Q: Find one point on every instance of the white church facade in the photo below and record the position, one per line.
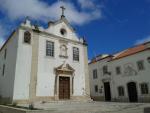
(124, 76)
(44, 64)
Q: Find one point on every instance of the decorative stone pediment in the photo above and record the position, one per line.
(129, 70)
(108, 79)
(64, 69)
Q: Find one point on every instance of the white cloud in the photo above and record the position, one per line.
(2, 34)
(86, 4)
(142, 40)
(1, 42)
(40, 10)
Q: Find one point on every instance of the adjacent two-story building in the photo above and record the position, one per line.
(124, 76)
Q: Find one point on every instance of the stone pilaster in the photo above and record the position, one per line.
(87, 83)
(34, 66)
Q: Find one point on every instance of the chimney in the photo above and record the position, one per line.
(147, 44)
(50, 23)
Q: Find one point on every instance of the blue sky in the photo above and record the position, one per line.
(109, 26)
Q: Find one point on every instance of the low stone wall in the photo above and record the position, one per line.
(141, 99)
(120, 99)
(145, 99)
(98, 98)
(147, 110)
(7, 109)
(50, 99)
(5, 100)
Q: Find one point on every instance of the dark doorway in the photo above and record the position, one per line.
(64, 88)
(107, 91)
(132, 92)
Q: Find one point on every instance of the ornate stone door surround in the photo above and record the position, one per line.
(64, 70)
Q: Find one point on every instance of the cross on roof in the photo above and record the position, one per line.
(63, 10)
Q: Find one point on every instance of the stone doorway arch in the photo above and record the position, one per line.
(64, 79)
(132, 92)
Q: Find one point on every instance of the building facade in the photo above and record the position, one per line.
(124, 76)
(44, 64)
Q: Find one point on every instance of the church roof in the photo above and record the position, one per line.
(99, 58)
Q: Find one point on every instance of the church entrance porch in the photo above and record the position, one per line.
(64, 87)
(132, 92)
(64, 81)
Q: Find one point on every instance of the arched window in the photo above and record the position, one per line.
(63, 31)
(27, 37)
(121, 91)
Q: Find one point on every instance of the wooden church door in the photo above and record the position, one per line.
(64, 88)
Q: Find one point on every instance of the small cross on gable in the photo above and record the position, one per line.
(63, 10)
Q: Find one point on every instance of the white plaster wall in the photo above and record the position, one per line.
(46, 65)
(94, 82)
(97, 65)
(121, 80)
(23, 68)
(142, 76)
(7, 81)
(55, 29)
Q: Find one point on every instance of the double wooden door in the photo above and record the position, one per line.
(64, 88)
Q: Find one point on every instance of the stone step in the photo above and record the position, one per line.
(68, 101)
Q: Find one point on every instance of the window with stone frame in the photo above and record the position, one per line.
(148, 59)
(75, 54)
(118, 70)
(96, 88)
(95, 74)
(3, 72)
(105, 70)
(121, 91)
(144, 88)
(140, 65)
(5, 54)
(27, 37)
(50, 48)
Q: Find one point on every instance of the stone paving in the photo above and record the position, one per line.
(93, 107)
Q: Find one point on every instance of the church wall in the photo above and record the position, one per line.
(23, 68)
(55, 29)
(35, 72)
(46, 66)
(7, 80)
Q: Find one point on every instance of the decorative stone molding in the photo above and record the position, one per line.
(63, 51)
(64, 70)
(129, 70)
